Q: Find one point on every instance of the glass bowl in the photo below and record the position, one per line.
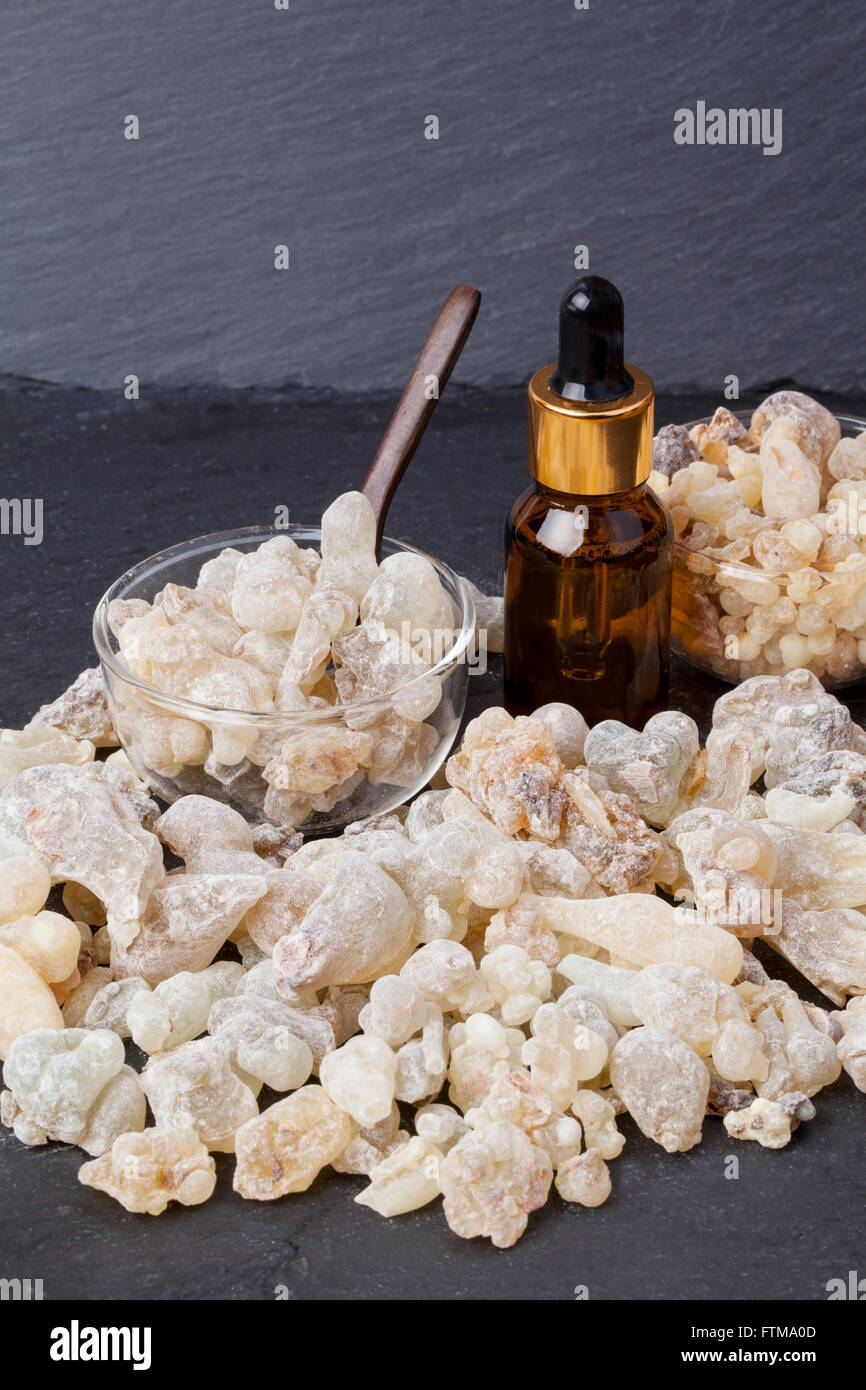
(179, 747)
(707, 590)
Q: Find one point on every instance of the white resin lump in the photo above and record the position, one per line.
(460, 999)
(74, 1085)
(771, 519)
(336, 639)
(84, 825)
(146, 1171)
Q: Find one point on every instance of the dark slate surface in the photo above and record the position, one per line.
(305, 127)
(120, 480)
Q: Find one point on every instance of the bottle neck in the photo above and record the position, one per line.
(604, 500)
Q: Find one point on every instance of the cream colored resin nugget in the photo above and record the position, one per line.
(277, 1057)
(764, 1121)
(270, 1040)
(521, 925)
(24, 887)
(648, 767)
(478, 1060)
(268, 593)
(374, 664)
(120, 1108)
(439, 970)
(146, 1171)
(441, 1124)
(562, 1053)
(396, 1010)
(348, 546)
(818, 871)
(460, 862)
(318, 759)
(605, 833)
(48, 942)
(664, 1085)
(510, 768)
(194, 1085)
(610, 983)
(404, 1181)
(738, 1052)
(285, 1148)
(515, 1099)
(327, 614)
(186, 921)
(407, 590)
(569, 729)
(821, 793)
(598, 1118)
(360, 923)
(82, 711)
(687, 1001)
(423, 1061)
(203, 610)
(584, 1179)
(817, 429)
(791, 485)
(26, 1002)
(111, 1005)
(785, 720)
(161, 742)
(725, 865)
(401, 750)
(801, 1056)
(209, 837)
(642, 930)
(359, 1077)
(37, 746)
(518, 983)
(492, 1180)
(177, 1010)
(61, 1080)
(370, 1146)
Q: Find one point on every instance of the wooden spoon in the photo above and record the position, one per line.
(417, 403)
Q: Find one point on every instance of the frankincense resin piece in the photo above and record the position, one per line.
(664, 1085)
(492, 1180)
(146, 1171)
(286, 1147)
(642, 929)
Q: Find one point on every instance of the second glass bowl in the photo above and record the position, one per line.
(707, 590)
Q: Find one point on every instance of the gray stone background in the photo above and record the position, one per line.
(306, 127)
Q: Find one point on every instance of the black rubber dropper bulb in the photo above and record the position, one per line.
(591, 365)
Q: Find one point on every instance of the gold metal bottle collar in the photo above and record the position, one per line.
(586, 449)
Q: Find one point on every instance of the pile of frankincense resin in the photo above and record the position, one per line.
(457, 1000)
(771, 517)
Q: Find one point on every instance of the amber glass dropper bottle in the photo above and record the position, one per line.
(588, 545)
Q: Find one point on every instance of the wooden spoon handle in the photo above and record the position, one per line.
(418, 401)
